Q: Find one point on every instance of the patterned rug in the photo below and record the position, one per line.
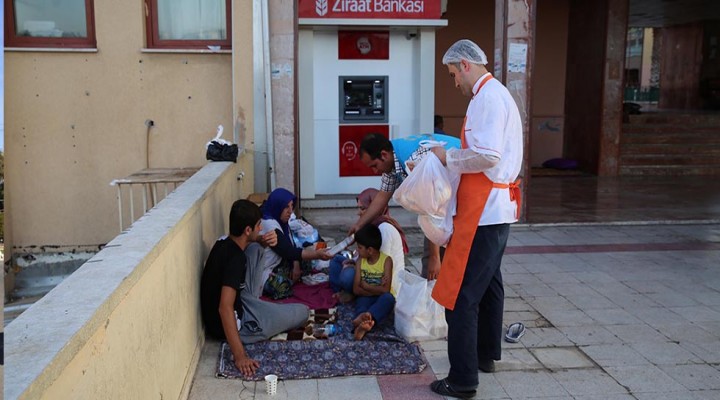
(381, 352)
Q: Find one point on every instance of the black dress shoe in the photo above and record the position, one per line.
(443, 388)
(486, 366)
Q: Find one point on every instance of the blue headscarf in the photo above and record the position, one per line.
(274, 206)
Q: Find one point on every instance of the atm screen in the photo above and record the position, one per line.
(363, 98)
(358, 94)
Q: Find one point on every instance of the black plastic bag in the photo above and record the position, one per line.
(221, 152)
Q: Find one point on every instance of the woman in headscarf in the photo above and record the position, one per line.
(394, 244)
(281, 263)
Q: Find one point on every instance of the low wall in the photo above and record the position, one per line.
(126, 325)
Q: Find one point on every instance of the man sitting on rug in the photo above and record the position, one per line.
(229, 311)
(373, 280)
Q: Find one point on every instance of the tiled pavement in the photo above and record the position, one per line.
(613, 312)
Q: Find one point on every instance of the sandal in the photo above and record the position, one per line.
(443, 388)
(515, 332)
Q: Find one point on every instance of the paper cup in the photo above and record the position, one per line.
(271, 384)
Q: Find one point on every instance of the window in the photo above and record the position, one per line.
(49, 23)
(188, 24)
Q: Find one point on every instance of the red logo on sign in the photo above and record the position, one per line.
(349, 150)
(363, 45)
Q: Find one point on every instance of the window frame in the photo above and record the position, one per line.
(13, 40)
(152, 33)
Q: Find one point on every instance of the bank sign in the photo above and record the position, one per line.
(370, 9)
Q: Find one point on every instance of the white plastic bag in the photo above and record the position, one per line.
(302, 231)
(431, 190)
(437, 230)
(417, 315)
(427, 188)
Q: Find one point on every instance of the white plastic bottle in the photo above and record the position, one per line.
(342, 245)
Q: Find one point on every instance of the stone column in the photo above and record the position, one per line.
(283, 46)
(513, 61)
(612, 88)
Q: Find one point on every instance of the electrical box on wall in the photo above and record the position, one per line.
(363, 99)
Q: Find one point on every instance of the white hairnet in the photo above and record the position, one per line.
(464, 50)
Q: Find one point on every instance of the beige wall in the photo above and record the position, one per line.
(75, 121)
(475, 20)
(127, 324)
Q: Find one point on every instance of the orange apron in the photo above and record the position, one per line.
(472, 195)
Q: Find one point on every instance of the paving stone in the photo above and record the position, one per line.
(697, 313)
(562, 357)
(516, 304)
(684, 395)
(636, 333)
(557, 277)
(707, 394)
(614, 355)
(290, 389)
(537, 383)
(438, 361)
(632, 300)
(589, 334)
(665, 353)
(535, 290)
(588, 382)
(528, 318)
(550, 303)
(644, 379)
(656, 316)
(707, 351)
(566, 318)
(545, 337)
(349, 387)
(490, 388)
(569, 289)
(593, 277)
(613, 289)
(605, 397)
(406, 386)
(694, 376)
(590, 301)
(433, 345)
(517, 360)
(671, 298)
(687, 332)
(611, 316)
(544, 270)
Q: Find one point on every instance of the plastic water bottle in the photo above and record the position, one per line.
(321, 331)
(342, 245)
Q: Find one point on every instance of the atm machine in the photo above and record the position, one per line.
(363, 99)
(363, 107)
(360, 74)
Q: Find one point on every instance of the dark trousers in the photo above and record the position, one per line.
(475, 325)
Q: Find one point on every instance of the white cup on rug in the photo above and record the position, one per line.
(271, 384)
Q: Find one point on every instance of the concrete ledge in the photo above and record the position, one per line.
(126, 324)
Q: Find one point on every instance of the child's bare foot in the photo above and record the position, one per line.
(363, 328)
(361, 318)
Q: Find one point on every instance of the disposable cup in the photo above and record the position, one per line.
(271, 384)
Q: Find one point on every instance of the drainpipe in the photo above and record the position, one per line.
(269, 135)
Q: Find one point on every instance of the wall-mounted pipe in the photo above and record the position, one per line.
(269, 136)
